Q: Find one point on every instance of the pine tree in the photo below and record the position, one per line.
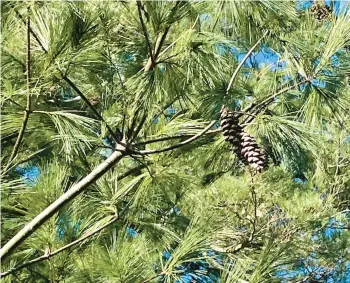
(117, 161)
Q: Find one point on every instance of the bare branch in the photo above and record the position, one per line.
(51, 254)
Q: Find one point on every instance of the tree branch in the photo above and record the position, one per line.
(192, 139)
(131, 171)
(167, 138)
(243, 61)
(51, 254)
(159, 43)
(257, 107)
(144, 29)
(30, 30)
(75, 190)
(97, 114)
(28, 106)
(73, 86)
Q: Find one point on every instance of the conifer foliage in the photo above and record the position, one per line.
(116, 153)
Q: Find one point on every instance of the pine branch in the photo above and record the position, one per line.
(144, 29)
(73, 86)
(192, 139)
(75, 190)
(159, 43)
(243, 61)
(160, 139)
(120, 152)
(97, 114)
(131, 171)
(30, 29)
(51, 254)
(256, 108)
(28, 106)
(135, 133)
(149, 66)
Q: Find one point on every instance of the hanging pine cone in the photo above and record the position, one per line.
(244, 145)
(231, 130)
(321, 11)
(252, 153)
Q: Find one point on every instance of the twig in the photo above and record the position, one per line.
(97, 114)
(30, 157)
(146, 152)
(28, 106)
(144, 29)
(160, 139)
(30, 29)
(267, 101)
(139, 127)
(255, 213)
(51, 254)
(243, 61)
(217, 18)
(131, 171)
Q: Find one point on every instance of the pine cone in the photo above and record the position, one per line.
(321, 11)
(244, 145)
(231, 130)
(252, 153)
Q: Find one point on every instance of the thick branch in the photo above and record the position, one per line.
(51, 254)
(192, 139)
(28, 106)
(78, 188)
